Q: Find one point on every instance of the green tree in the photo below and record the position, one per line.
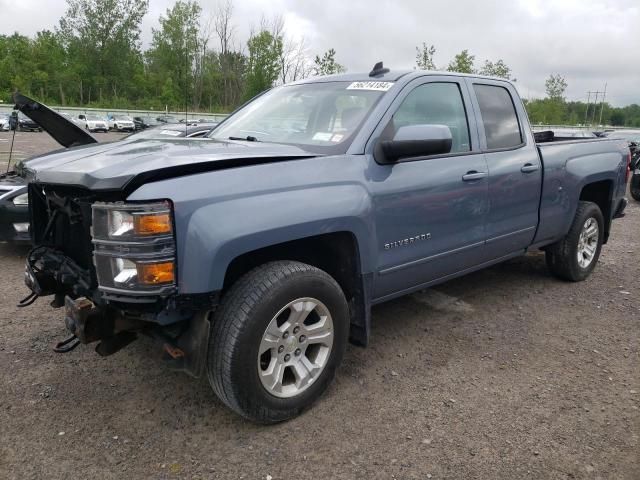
(327, 65)
(462, 63)
(51, 73)
(102, 39)
(16, 65)
(555, 86)
(424, 57)
(173, 52)
(498, 69)
(263, 67)
(617, 119)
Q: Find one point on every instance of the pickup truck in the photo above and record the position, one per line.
(255, 255)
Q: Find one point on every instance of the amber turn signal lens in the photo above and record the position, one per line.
(153, 224)
(155, 273)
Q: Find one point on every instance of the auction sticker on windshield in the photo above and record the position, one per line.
(379, 86)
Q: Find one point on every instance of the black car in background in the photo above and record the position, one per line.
(167, 119)
(14, 209)
(25, 124)
(144, 122)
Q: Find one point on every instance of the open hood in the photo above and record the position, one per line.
(63, 131)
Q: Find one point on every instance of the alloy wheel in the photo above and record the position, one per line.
(295, 347)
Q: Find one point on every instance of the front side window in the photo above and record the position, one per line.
(320, 117)
(436, 104)
(501, 126)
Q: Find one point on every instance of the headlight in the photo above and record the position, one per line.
(22, 199)
(134, 248)
(131, 222)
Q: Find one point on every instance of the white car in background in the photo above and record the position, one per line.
(4, 122)
(93, 123)
(122, 123)
(77, 121)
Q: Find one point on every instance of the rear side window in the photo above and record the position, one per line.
(501, 126)
(436, 104)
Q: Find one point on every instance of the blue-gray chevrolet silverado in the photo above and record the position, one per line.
(254, 255)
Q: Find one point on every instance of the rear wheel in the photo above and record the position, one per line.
(277, 339)
(575, 256)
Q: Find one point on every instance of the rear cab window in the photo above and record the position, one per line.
(499, 118)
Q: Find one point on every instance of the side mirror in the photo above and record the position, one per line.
(417, 141)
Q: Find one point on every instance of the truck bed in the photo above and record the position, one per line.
(568, 165)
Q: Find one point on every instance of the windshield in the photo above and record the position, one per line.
(93, 118)
(320, 117)
(122, 117)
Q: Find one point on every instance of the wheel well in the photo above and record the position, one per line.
(600, 193)
(335, 253)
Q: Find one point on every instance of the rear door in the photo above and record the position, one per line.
(515, 170)
(430, 210)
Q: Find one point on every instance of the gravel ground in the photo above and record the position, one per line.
(503, 374)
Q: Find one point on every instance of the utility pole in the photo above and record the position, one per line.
(586, 112)
(602, 104)
(595, 106)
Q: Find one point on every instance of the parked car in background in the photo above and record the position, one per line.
(77, 120)
(5, 125)
(633, 138)
(14, 209)
(25, 124)
(167, 119)
(143, 122)
(121, 123)
(94, 123)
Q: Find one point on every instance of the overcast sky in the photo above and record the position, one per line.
(589, 42)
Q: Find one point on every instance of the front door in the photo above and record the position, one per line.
(430, 211)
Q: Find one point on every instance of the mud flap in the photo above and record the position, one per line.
(360, 313)
(194, 343)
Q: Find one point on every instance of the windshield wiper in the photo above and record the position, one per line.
(248, 138)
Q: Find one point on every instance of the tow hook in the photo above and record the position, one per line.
(67, 344)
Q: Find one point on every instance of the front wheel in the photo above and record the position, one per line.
(277, 339)
(634, 187)
(575, 256)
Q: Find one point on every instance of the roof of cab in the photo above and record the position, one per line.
(390, 76)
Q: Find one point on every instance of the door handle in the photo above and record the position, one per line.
(473, 175)
(529, 167)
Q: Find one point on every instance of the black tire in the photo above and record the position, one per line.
(240, 322)
(562, 256)
(634, 186)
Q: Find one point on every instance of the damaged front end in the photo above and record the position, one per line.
(112, 265)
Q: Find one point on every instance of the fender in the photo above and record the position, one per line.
(565, 178)
(221, 215)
